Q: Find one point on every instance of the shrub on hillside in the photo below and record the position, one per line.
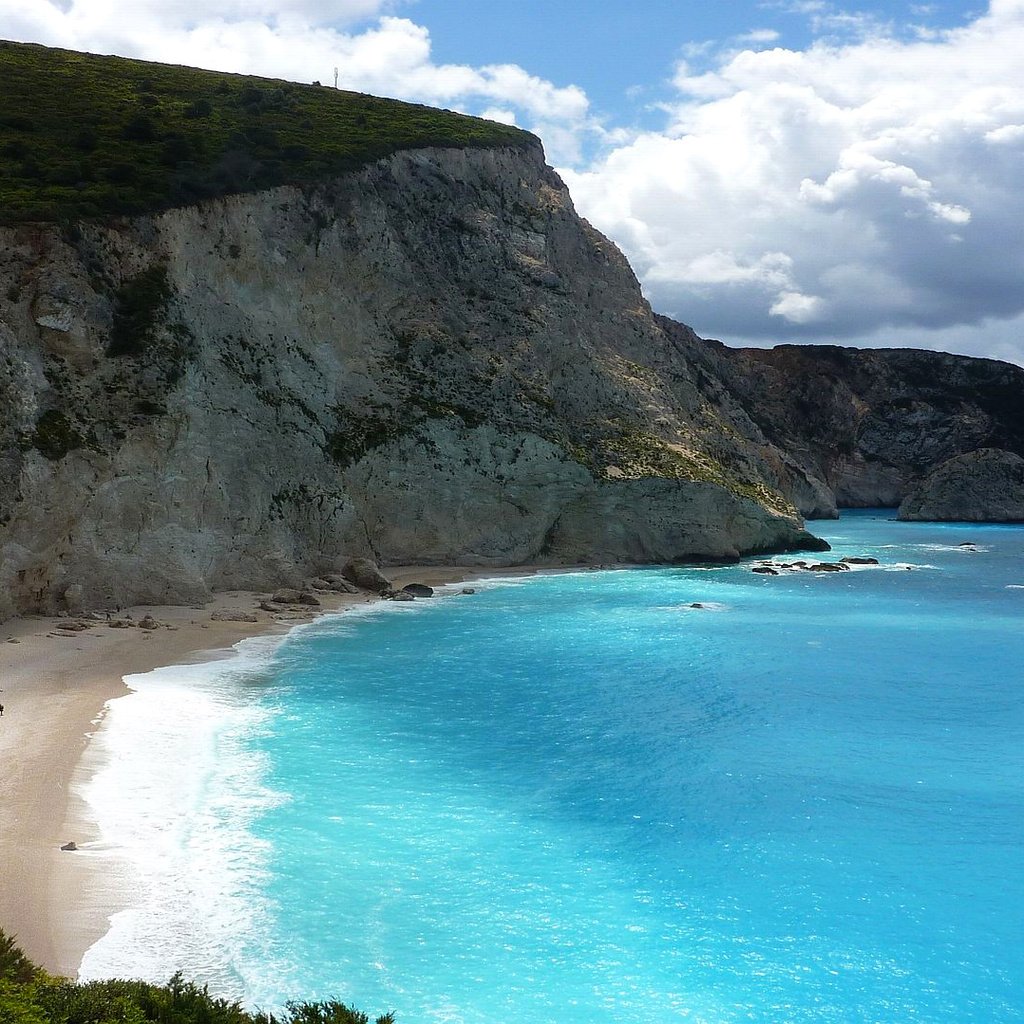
(30, 996)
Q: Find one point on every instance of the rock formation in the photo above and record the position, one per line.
(863, 425)
(430, 359)
(982, 486)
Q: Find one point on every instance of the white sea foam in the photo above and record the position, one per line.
(788, 568)
(173, 791)
(968, 547)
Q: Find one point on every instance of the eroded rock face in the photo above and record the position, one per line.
(865, 425)
(363, 572)
(984, 486)
(432, 360)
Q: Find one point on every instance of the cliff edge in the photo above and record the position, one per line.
(984, 486)
(432, 359)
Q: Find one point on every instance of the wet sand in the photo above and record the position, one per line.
(54, 686)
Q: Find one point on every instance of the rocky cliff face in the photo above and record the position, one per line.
(984, 486)
(864, 426)
(432, 360)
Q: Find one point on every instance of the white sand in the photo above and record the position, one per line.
(54, 687)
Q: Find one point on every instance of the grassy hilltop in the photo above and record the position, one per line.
(89, 136)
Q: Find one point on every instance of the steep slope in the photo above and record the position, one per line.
(432, 359)
(867, 424)
(983, 486)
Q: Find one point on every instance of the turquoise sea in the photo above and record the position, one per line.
(575, 798)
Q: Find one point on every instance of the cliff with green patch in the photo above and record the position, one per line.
(421, 354)
(249, 329)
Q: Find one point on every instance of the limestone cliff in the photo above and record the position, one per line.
(865, 426)
(431, 359)
(982, 486)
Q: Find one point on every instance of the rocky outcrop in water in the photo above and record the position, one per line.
(864, 426)
(985, 486)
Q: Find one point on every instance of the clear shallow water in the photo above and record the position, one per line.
(575, 798)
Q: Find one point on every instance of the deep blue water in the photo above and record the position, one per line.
(574, 798)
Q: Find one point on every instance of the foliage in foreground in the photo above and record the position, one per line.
(87, 136)
(29, 995)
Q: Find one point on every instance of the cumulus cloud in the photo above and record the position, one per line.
(302, 40)
(843, 191)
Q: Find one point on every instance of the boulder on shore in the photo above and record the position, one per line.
(418, 590)
(364, 573)
(334, 584)
(983, 486)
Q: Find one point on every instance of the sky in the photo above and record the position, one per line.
(777, 171)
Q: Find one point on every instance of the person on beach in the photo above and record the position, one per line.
(1, 711)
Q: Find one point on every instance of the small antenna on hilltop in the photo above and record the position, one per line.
(335, 78)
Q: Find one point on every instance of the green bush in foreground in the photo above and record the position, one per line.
(29, 995)
(88, 136)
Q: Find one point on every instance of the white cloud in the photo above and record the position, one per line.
(1008, 133)
(758, 35)
(500, 115)
(797, 308)
(303, 40)
(831, 193)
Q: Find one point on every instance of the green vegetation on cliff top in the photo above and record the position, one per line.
(89, 136)
(31, 996)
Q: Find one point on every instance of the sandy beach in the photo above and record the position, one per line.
(54, 686)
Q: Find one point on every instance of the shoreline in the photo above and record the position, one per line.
(55, 687)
